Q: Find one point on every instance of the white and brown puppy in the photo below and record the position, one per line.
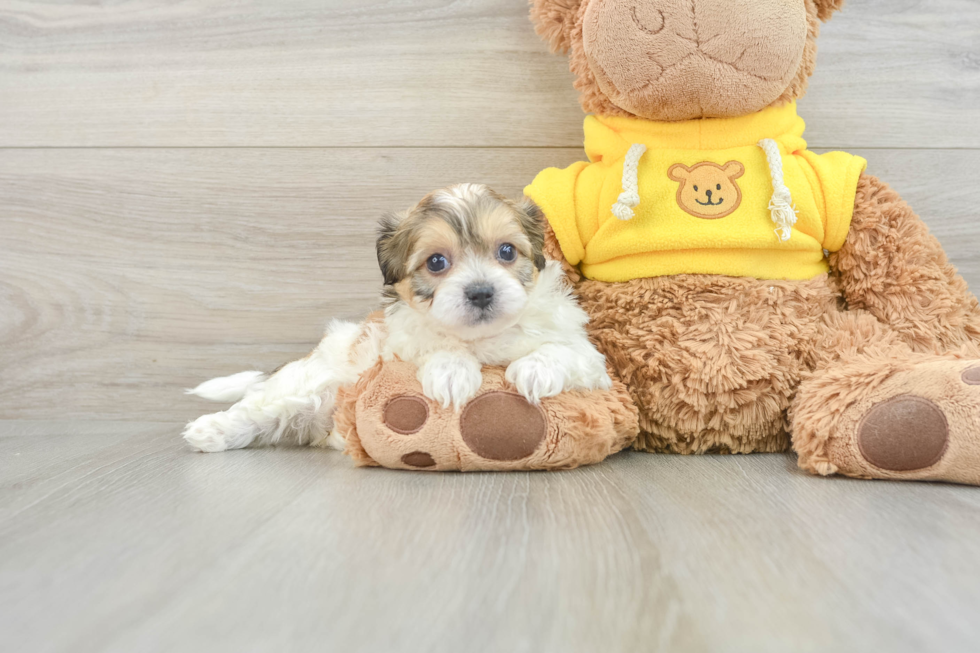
(466, 285)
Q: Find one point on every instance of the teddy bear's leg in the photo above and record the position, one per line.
(892, 267)
(876, 409)
(387, 421)
(896, 393)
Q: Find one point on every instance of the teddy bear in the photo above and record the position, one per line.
(751, 295)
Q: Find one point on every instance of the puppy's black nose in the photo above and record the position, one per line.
(480, 295)
(709, 194)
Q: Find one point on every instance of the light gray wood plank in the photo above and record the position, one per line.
(128, 274)
(243, 255)
(40, 459)
(427, 72)
(143, 546)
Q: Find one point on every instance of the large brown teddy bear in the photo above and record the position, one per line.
(752, 295)
(749, 295)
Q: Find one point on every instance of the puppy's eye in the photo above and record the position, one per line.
(436, 263)
(507, 252)
(695, 189)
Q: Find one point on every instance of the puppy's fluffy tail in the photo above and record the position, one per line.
(228, 388)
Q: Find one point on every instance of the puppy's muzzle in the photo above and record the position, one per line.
(479, 295)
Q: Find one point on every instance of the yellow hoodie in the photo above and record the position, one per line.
(733, 196)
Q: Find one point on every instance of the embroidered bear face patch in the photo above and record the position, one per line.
(708, 190)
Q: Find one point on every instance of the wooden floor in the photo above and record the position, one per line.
(190, 189)
(113, 538)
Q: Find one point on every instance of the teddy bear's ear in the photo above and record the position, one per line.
(826, 8)
(553, 21)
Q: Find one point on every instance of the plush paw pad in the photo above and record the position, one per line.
(502, 426)
(971, 375)
(419, 459)
(904, 433)
(406, 414)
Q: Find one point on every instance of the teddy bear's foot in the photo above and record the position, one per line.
(387, 421)
(498, 427)
(918, 422)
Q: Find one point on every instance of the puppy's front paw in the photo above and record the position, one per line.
(219, 432)
(451, 379)
(595, 375)
(537, 376)
(602, 381)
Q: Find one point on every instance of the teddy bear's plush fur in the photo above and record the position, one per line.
(869, 371)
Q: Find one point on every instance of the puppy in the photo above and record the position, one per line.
(465, 285)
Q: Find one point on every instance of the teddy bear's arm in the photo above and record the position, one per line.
(891, 266)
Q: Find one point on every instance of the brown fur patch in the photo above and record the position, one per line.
(533, 222)
(434, 236)
(393, 247)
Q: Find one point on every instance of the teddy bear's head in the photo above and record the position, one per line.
(685, 59)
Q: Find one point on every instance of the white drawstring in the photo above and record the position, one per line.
(629, 199)
(781, 205)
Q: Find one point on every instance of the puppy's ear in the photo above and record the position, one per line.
(392, 249)
(553, 21)
(532, 222)
(826, 8)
